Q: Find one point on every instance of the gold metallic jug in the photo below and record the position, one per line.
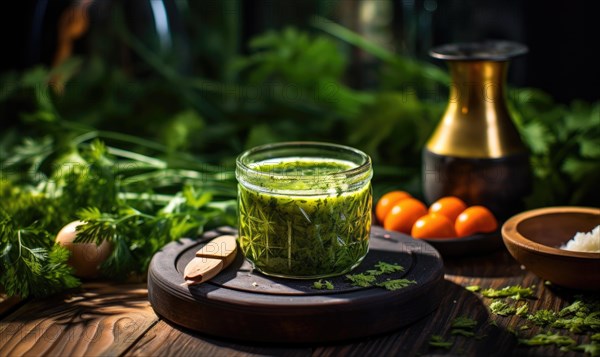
(476, 152)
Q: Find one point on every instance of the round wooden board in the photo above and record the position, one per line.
(243, 304)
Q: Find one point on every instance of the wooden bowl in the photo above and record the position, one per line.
(533, 238)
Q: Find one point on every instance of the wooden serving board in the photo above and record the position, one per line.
(243, 304)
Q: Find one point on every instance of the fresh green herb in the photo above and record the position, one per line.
(48, 184)
(591, 348)
(595, 337)
(576, 317)
(463, 322)
(388, 268)
(522, 310)
(575, 307)
(542, 317)
(548, 338)
(323, 284)
(304, 235)
(473, 288)
(369, 277)
(501, 308)
(463, 326)
(515, 292)
(579, 323)
(438, 341)
(396, 284)
(462, 333)
(524, 327)
(362, 280)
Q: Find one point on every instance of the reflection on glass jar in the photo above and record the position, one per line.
(304, 208)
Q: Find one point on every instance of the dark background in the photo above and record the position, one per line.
(560, 35)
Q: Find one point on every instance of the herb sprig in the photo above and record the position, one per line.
(47, 184)
(369, 277)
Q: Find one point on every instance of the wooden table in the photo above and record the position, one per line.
(109, 319)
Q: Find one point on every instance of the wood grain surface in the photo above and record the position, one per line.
(103, 319)
(112, 319)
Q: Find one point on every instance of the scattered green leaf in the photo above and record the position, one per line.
(501, 308)
(438, 341)
(323, 284)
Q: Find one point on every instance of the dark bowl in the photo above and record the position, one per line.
(533, 238)
(475, 244)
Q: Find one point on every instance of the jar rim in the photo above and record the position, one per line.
(362, 171)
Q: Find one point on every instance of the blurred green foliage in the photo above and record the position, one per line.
(291, 86)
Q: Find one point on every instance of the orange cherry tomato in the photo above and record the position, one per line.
(433, 225)
(475, 219)
(387, 201)
(404, 214)
(449, 206)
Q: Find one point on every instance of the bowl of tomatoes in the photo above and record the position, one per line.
(449, 224)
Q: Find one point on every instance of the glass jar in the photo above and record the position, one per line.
(304, 208)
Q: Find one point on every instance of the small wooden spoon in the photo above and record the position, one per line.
(213, 257)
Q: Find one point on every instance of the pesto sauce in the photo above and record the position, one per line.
(305, 236)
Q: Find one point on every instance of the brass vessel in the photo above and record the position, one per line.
(476, 152)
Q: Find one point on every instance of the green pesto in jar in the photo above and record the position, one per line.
(307, 235)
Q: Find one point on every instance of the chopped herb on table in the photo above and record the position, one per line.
(515, 292)
(548, 338)
(591, 348)
(463, 326)
(580, 316)
(438, 341)
(542, 317)
(473, 288)
(522, 310)
(501, 308)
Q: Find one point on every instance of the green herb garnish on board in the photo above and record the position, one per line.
(323, 284)
(369, 277)
(361, 280)
(438, 341)
(501, 308)
(396, 284)
(388, 268)
(515, 292)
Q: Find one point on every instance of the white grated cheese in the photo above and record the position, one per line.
(585, 242)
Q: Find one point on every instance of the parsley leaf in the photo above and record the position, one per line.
(501, 308)
(396, 284)
(548, 338)
(515, 292)
(439, 342)
(361, 280)
(323, 284)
